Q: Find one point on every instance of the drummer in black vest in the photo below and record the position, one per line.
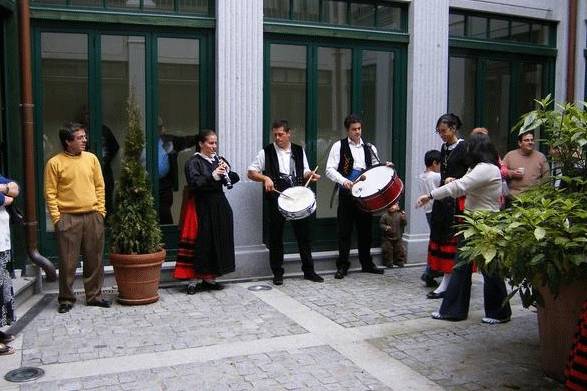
(278, 166)
(347, 160)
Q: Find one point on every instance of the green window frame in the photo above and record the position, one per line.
(324, 229)
(94, 34)
(178, 7)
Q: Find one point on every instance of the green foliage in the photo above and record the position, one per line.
(135, 227)
(542, 239)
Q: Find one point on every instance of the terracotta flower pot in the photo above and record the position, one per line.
(557, 324)
(137, 276)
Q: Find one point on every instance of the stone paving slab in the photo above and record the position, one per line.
(470, 357)
(177, 321)
(362, 299)
(315, 368)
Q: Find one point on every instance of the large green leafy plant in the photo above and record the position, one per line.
(134, 225)
(542, 239)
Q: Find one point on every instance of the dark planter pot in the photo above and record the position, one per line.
(137, 277)
(557, 324)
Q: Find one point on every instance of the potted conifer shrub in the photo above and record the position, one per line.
(540, 243)
(136, 253)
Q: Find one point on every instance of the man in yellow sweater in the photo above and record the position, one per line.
(74, 192)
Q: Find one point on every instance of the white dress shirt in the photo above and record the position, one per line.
(284, 158)
(358, 160)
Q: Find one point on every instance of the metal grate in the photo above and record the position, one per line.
(24, 374)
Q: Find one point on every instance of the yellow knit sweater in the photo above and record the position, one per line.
(74, 184)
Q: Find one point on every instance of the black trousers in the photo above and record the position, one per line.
(458, 294)
(302, 232)
(348, 216)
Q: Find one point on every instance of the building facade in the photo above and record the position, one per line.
(235, 65)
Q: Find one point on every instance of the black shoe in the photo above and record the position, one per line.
(429, 280)
(372, 270)
(313, 277)
(339, 275)
(277, 280)
(194, 288)
(64, 307)
(212, 285)
(100, 303)
(434, 295)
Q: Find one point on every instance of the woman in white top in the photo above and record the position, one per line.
(482, 186)
(8, 191)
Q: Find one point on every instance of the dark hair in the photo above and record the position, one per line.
(280, 123)
(66, 132)
(202, 136)
(480, 149)
(451, 120)
(352, 119)
(431, 156)
(521, 135)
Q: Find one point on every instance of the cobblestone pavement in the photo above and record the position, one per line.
(365, 332)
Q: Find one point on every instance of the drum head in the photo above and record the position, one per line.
(376, 179)
(296, 199)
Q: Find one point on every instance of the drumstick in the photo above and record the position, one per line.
(285, 195)
(359, 179)
(310, 177)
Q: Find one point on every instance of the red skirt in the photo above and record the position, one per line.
(576, 371)
(188, 232)
(442, 256)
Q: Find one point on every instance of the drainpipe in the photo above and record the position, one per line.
(27, 106)
(571, 50)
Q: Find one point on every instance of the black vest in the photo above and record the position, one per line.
(345, 164)
(272, 167)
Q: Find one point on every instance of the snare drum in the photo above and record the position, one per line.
(296, 203)
(381, 188)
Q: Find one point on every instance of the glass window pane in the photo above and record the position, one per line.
(477, 27)
(123, 70)
(86, 3)
(497, 110)
(194, 6)
(461, 90)
(377, 100)
(306, 10)
(158, 5)
(520, 32)
(389, 17)
(49, 2)
(276, 9)
(288, 88)
(133, 4)
(456, 25)
(499, 29)
(64, 79)
(362, 15)
(530, 87)
(334, 12)
(334, 104)
(539, 34)
(178, 121)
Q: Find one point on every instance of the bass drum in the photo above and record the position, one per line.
(377, 189)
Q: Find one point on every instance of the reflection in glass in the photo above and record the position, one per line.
(377, 95)
(461, 90)
(276, 9)
(456, 25)
(123, 71)
(306, 10)
(362, 15)
(499, 29)
(496, 111)
(178, 120)
(193, 6)
(334, 11)
(389, 17)
(477, 27)
(530, 87)
(539, 34)
(520, 32)
(64, 78)
(122, 4)
(86, 3)
(334, 104)
(288, 88)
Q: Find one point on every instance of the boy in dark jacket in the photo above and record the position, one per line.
(392, 225)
